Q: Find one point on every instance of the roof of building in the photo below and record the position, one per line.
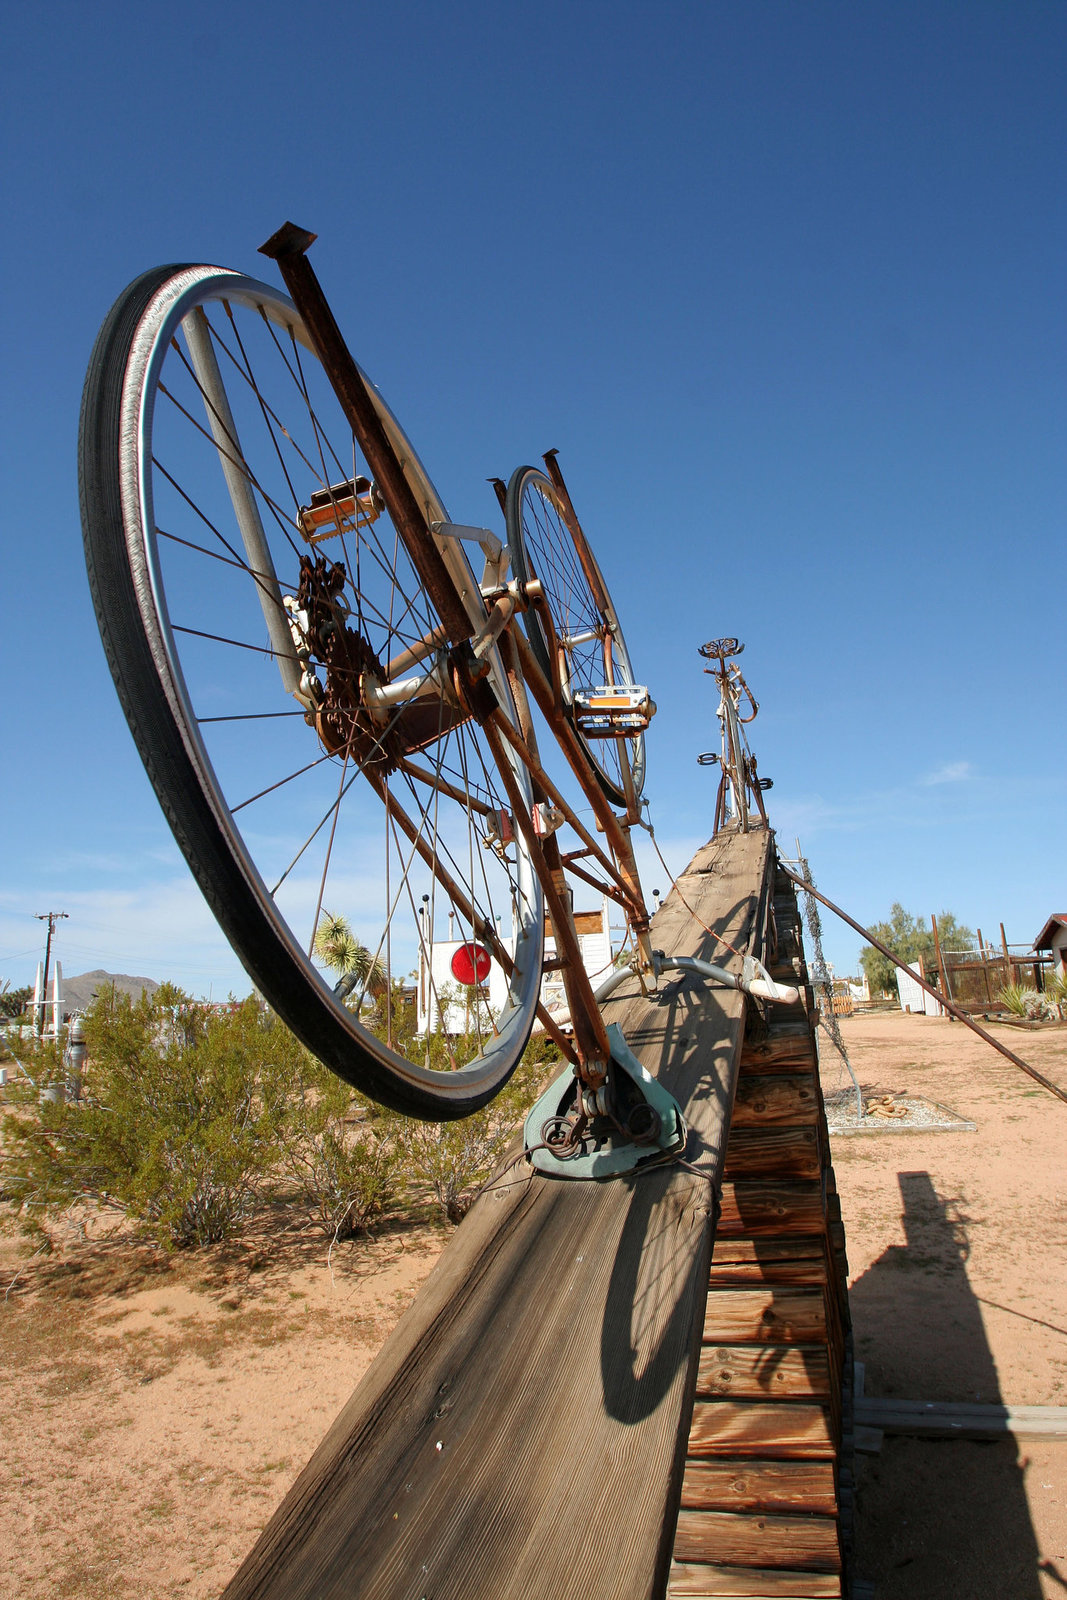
(1044, 938)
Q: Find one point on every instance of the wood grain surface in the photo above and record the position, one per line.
(522, 1433)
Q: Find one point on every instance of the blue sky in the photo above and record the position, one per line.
(783, 282)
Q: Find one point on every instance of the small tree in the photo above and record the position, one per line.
(338, 948)
(912, 941)
(13, 1002)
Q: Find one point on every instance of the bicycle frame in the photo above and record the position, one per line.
(450, 666)
(739, 780)
(456, 670)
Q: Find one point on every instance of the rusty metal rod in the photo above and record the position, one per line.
(287, 248)
(954, 1010)
(590, 1034)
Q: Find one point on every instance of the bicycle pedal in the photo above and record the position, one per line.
(611, 710)
(653, 1128)
(342, 508)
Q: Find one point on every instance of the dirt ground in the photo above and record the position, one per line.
(957, 1248)
(157, 1409)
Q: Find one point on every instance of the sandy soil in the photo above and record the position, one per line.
(157, 1409)
(957, 1247)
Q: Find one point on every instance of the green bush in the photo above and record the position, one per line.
(453, 1159)
(343, 1153)
(178, 1124)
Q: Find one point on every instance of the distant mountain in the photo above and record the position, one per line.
(78, 992)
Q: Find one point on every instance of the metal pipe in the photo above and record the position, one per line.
(961, 1016)
(245, 510)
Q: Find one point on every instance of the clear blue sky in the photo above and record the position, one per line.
(783, 282)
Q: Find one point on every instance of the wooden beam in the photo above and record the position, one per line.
(766, 1250)
(763, 1372)
(773, 1152)
(523, 1430)
(779, 1274)
(739, 1428)
(704, 1581)
(764, 1315)
(956, 1419)
(760, 1486)
(782, 1100)
(755, 1207)
(759, 1538)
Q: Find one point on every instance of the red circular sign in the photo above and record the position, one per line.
(470, 964)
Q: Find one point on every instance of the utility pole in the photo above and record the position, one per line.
(51, 917)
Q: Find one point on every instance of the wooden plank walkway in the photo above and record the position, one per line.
(767, 1477)
(523, 1431)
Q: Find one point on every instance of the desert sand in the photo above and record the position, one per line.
(157, 1408)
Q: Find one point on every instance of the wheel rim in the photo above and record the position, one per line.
(592, 650)
(385, 819)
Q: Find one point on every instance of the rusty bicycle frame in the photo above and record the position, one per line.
(738, 775)
(588, 1049)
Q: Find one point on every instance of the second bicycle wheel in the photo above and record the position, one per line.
(592, 651)
(286, 679)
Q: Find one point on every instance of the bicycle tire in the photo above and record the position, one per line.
(162, 527)
(542, 545)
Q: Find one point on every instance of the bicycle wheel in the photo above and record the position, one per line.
(592, 650)
(267, 635)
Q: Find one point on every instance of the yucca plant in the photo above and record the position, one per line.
(338, 948)
(1022, 1001)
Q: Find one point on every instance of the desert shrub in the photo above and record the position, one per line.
(1028, 1003)
(1056, 989)
(453, 1159)
(178, 1124)
(342, 1152)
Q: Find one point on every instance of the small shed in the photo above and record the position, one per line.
(1053, 937)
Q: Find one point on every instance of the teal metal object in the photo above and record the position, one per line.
(604, 1151)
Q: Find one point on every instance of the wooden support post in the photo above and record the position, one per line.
(941, 967)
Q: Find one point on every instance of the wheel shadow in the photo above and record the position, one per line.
(936, 1517)
(647, 1334)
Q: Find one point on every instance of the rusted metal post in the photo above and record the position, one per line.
(961, 1016)
(287, 247)
(941, 967)
(1007, 958)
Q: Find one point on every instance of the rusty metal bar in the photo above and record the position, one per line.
(617, 834)
(596, 883)
(942, 965)
(287, 247)
(416, 653)
(442, 786)
(961, 1016)
(574, 528)
(590, 1035)
(623, 893)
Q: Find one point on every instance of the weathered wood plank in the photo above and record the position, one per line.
(754, 1207)
(772, 1152)
(763, 1372)
(776, 1100)
(764, 1539)
(771, 1056)
(767, 1249)
(705, 1581)
(751, 1428)
(783, 1274)
(748, 1485)
(450, 1471)
(763, 1315)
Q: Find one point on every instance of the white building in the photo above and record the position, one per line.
(913, 997)
(440, 990)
